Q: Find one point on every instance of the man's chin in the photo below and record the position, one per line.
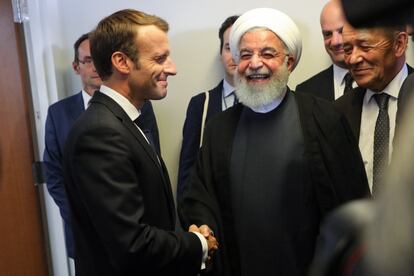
(160, 95)
(339, 60)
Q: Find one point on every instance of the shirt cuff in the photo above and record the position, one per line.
(205, 249)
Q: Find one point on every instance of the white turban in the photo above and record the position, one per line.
(274, 20)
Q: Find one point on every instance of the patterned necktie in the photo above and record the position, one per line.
(381, 142)
(348, 83)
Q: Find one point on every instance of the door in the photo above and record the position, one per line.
(22, 243)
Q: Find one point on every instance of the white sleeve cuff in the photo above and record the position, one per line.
(205, 249)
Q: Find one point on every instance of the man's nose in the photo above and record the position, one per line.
(255, 62)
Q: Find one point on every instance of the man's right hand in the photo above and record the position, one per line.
(209, 235)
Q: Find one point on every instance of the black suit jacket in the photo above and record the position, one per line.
(122, 206)
(192, 131)
(335, 164)
(60, 118)
(320, 85)
(350, 105)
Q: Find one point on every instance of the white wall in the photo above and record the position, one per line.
(54, 26)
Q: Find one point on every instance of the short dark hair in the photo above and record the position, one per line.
(78, 42)
(224, 26)
(117, 32)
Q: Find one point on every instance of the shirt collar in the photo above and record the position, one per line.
(86, 98)
(393, 88)
(339, 73)
(132, 112)
(227, 88)
(272, 105)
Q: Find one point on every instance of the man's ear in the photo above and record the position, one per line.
(290, 63)
(401, 42)
(75, 66)
(121, 63)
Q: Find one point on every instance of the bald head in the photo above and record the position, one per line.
(332, 21)
(332, 10)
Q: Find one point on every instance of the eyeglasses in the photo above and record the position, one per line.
(86, 61)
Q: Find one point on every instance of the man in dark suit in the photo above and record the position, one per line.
(376, 58)
(118, 188)
(361, 238)
(62, 115)
(330, 83)
(272, 167)
(204, 106)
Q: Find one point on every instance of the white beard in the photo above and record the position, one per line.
(256, 96)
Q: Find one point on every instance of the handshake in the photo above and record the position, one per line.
(209, 235)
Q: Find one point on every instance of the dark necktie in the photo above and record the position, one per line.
(381, 142)
(147, 133)
(348, 83)
(236, 101)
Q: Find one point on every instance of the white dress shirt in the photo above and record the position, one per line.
(86, 98)
(369, 116)
(339, 82)
(228, 97)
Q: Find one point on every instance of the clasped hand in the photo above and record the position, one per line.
(209, 235)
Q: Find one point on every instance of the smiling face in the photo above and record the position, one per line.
(332, 22)
(148, 80)
(263, 69)
(374, 56)
(261, 54)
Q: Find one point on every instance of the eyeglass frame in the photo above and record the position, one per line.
(86, 61)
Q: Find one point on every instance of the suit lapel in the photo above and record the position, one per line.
(126, 121)
(214, 106)
(325, 89)
(409, 69)
(168, 189)
(76, 107)
(352, 108)
(157, 160)
(330, 84)
(129, 124)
